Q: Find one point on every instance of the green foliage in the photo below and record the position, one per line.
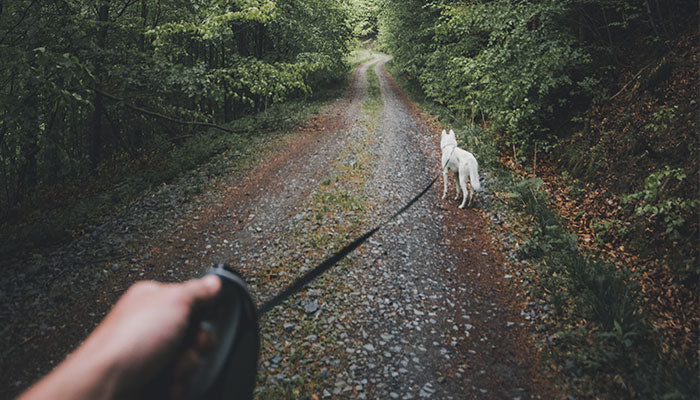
(364, 19)
(285, 62)
(663, 117)
(358, 56)
(508, 61)
(529, 67)
(516, 72)
(658, 203)
(479, 142)
(547, 234)
(609, 230)
(209, 60)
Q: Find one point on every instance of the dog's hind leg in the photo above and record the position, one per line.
(471, 194)
(463, 185)
(444, 181)
(457, 186)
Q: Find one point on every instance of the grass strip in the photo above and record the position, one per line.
(333, 216)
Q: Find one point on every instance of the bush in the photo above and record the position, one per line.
(478, 141)
(657, 203)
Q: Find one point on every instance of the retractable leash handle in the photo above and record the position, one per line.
(229, 370)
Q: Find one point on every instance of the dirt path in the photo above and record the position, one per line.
(421, 311)
(442, 323)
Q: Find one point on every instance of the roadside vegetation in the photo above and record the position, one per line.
(358, 56)
(98, 80)
(582, 113)
(604, 90)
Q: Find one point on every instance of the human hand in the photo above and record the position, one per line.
(139, 342)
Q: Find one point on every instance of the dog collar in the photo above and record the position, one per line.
(448, 158)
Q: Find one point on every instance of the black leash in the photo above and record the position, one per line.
(318, 270)
(231, 370)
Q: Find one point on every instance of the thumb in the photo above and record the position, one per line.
(203, 289)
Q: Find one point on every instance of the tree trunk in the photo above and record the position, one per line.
(260, 40)
(212, 66)
(53, 161)
(97, 141)
(227, 99)
(144, 20)
(241, 37)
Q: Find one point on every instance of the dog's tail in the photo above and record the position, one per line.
(474, 177)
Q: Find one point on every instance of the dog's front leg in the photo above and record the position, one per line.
(444, 181)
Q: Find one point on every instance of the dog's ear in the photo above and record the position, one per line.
(452, 132)
(444, 132)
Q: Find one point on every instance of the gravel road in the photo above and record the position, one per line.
(422, 310)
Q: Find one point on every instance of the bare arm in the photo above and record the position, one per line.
(141, 337)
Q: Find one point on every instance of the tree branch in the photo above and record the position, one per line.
(126, 6)
(21, 19)
(161, 116)
(634, 78)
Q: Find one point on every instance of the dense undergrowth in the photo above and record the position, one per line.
(642, 144)
(642, 147)
(627, 184)
(593, 323)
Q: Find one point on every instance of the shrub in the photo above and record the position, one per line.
(657, 203)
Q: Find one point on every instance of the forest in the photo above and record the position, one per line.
(87, 81)
(588, 106)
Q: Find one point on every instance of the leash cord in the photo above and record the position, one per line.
(329, 262)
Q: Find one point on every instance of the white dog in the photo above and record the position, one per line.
(462, 163)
